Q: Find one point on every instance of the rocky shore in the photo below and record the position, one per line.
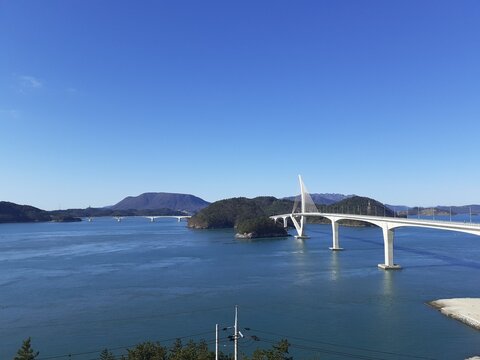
(255, 235)
(466, 310)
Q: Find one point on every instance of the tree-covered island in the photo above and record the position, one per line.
(249, 217)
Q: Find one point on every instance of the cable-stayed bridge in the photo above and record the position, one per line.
(387, 224)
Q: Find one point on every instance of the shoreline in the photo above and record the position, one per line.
(466, 310)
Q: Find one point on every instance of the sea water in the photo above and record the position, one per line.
(76, 288)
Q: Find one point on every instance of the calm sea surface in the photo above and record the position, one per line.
(77, 288)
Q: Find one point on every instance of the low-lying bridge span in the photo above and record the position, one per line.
(387, 224)
(153, 218)
(178, 217)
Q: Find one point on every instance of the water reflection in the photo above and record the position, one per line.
(334, 266)
(387, 281)
(300, 252)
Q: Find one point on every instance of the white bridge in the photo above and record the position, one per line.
(178, 217)
(387, 224)
(153, 218)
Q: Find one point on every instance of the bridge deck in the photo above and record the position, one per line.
(440, 224)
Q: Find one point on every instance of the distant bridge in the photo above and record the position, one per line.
(153, 218)
(178, 217)
(387, 224)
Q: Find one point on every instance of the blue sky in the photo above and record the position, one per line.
(104, 99)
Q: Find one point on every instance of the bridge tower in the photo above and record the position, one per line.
(306, 205)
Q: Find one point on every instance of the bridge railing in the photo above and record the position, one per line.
(384, 211)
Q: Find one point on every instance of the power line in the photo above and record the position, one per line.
(119, 347)
(345, 346)
(326, 351)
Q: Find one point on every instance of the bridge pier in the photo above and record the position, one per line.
(299, 227)
(335, 244)
(388, 236)
(285, 222)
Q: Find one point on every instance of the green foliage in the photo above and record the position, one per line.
(178, 351)
(358, 205)
(11, 213)
(230, 212)
(277, 352)
(261, 226)
(190, 351)
(148, 351)
(26, 352)
(106, 355)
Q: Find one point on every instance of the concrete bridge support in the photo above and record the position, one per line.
(388, 235)
(300, 227)
(335, 244)
(285, 222)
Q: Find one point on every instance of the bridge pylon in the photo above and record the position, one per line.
(306, 205)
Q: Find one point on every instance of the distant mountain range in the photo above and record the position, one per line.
(161, 200)
(324, 198)
(465, 209)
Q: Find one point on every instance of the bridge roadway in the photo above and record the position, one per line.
(152, 218)
(387, 224)
(178, 217)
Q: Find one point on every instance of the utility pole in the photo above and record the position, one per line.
(235, 336)
(216, 342)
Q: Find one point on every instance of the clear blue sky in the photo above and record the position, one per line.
(104, 99)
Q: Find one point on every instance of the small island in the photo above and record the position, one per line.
(261, 227)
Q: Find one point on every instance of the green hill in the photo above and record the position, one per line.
(358, 205)
(248, 216)
(14, 213)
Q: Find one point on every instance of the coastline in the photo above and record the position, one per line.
(466, 310)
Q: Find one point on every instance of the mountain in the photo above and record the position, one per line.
(360, 205)
(398, 207)
(161, 200)
(324, 198)
(11, 212)
(465, 209)
(14, 213)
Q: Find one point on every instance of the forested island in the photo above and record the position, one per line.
(249, 217)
